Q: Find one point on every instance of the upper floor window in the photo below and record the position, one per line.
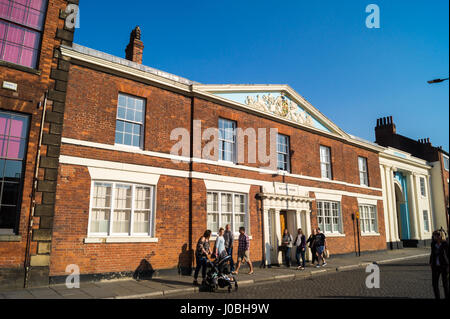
(130, 121)
(227, 140)
(283, 152)
(226, 208)
(21, 25)
(329, 216)
(363, 176)
(368, 218)
(445, 159)
(325, 162)
(423, 191)
(13, 144)
(121, 209)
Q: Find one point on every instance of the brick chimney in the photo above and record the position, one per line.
(385, 130)
(135, 48)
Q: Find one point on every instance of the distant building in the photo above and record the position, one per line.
(436, 158)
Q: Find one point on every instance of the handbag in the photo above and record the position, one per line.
(327, 254)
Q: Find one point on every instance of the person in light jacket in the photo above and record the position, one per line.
(287, 243)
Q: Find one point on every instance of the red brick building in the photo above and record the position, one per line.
(33, 79)
(125, 200)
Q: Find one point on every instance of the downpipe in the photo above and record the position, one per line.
(33, 196)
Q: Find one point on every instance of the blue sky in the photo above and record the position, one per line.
(322, 49)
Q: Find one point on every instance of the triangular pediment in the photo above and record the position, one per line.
(280, 101)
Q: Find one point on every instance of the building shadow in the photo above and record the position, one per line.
(184, 262)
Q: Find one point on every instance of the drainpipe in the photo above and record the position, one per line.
(261, 197)
(33, 197)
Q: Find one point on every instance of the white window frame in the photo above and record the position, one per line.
(445, 159)
(321, 214)
(423, 187)
(427, 220)
(363, 171)
(232, 142)
(131, 234)
(323, 162)
(214, 232)
(285, 153)
(365, 212)
(142, 125)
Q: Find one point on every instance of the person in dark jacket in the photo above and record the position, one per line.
(202, 252)
(300, 242)
(439, 263)
(312, 245)
(229, 239)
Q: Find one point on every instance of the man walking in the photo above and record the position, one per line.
(229, 239)
(321, 244)
(439, 263)
(243, 251)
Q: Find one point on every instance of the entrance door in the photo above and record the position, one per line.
(272, 249)
(283, 221)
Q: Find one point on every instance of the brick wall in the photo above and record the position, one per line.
(32, 86)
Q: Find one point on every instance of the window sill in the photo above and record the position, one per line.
(10, 238)
(370, 234)
(333, 235)
(105, 240)
(20, 67)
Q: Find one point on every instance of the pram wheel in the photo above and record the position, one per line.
(235, 285)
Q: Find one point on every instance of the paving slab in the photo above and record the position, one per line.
(18, 294)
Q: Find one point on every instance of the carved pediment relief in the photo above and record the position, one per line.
(280, 106)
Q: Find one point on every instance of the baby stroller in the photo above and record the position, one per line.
(218, 274)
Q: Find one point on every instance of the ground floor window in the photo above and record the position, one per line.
(226, 208)
(329, 216)
(121, 209)
(426, 221)
(368, 219)
(13, 145)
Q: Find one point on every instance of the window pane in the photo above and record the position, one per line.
(8, 216)
(141, 221)
(100, 221)
(20, 45)
(13, 141)
(213, 221)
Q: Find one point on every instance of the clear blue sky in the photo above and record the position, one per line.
(322, 49)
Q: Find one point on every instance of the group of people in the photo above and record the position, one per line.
(316, 242)
(223, 247)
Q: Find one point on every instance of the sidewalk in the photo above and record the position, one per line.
(128, 288)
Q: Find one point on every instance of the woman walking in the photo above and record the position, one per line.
(312, 245)
(300, 243)
(201, 254)
(287, 244)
